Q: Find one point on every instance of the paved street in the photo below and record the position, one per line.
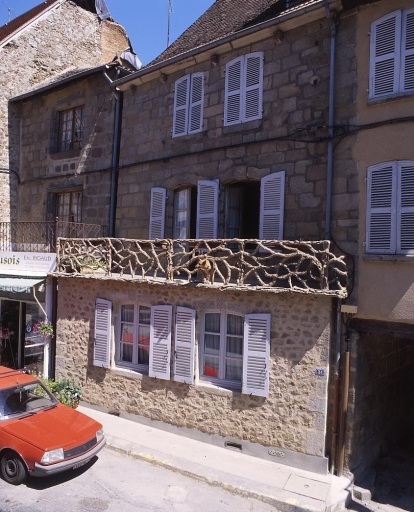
(117, 482)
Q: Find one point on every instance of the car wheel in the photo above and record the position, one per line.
(12, 469)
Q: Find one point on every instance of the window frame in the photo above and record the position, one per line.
(70, 132)
(385, 203)
(386, 55)
(220, 381)
(134, 364)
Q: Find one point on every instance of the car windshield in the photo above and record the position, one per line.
(20, 400)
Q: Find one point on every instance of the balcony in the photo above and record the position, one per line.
(42, 236)
(308, 267)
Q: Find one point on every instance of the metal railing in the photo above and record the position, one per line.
(295, 265)
(42, 236)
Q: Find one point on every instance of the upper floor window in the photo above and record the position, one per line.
(392, 55)
(69, 206)
(244, 89)
(70, 129)
(254, 209)
(188, 104)
(390, 208)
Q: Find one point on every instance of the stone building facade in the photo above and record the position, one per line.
(39, 45)
(194, 179)
(51, 174)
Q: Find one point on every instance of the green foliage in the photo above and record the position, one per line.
(65, 390)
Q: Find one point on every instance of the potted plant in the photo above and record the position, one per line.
(65, 390)
(44, 328)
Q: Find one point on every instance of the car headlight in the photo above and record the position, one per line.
(99, 435)
(52, 456)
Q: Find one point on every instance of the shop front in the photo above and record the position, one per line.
(26, 303)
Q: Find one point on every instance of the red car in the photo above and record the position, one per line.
(39, 435)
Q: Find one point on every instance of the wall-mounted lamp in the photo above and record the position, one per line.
(278, 36)
(214, 59)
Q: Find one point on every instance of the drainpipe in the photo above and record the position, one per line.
(333, 22)
(336, 397)
(116, 144)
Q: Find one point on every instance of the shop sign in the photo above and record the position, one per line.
(27, 261)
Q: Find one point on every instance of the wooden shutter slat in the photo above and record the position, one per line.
(272, 195)
(207, 206)
(181, 98)
(184, 345)
(160, 342)
(101, 349)
(256, 354)
(157, 213)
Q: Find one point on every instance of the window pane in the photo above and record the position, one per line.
(127, 313)
(143, 344)
(212, 322)
(126, 352)
(234, 346)
(144, 315)
(211, 366)
(211, 344)
(234, 369)
(235, 325)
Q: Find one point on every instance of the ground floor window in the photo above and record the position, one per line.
(163, 341)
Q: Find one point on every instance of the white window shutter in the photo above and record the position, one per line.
(160, 342)
(407, 50)
(381, 209)
(256, 355)
(405, 208)
(253, 98)
(195, 121)
(385, 55)
(102, 341)
(157, 213)
(233, 92)
(184, 345)
(272, 202)
(181, 97)
(207, 209)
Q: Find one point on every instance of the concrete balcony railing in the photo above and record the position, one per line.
(254, 264)
(42, 236)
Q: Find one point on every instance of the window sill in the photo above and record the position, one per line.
(406, 258)
(243, 126)
(391, 97)
(128, 372)
(215, 389)
(64, 155)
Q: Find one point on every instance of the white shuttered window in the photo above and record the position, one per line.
(392, 55)
(184, 345)
(244, 89)
(160, 342)
(188, 104)
(390, 208)
(207, 209)
(102, 340)
(256, 355)
(272, 200)
(157, 213)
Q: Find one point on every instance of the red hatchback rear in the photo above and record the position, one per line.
(39, 435)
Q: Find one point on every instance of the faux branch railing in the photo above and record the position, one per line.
(309, 266)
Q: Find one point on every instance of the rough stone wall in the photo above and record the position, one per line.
(46, 171)
(380, 398)
(295, 110)
(42, 51)
(292, 417)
